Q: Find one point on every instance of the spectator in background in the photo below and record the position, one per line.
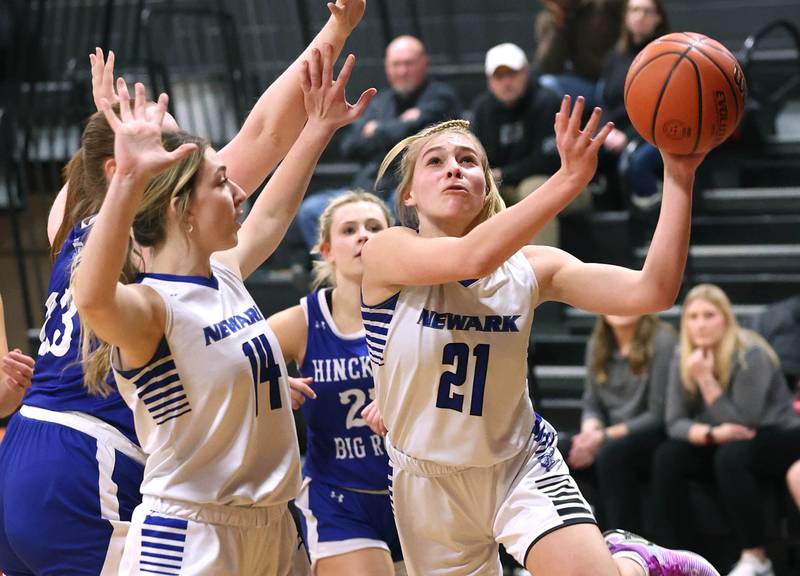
(412, 102)
(730, 419)
(627, 365)
(573, 38)
(514, 121)
(642, 21)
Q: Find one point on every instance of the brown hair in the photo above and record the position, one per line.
(149, 228)
(642, 345)
(410, 149)
(324, 272)
(625, 40)
(85, 176)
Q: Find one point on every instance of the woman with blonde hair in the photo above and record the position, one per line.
(627, 365)
(347, 519)
(448, 312)
(730, 420)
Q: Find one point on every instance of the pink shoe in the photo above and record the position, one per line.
(660, 561)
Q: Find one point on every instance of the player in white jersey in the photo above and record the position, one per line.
(448, 312)
(347, 520)
(193, 356)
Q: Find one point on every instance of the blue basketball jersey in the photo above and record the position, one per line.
(58, 377)
(342, 450)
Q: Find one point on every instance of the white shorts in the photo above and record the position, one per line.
(451, 519)
(171, 537)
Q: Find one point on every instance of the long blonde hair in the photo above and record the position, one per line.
(732, 346)
(324, 273)
(410, 149)
(149, 229)
(641, 351)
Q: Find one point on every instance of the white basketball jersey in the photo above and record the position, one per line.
(450, 366)
(212, 408)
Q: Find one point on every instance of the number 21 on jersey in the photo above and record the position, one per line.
(457, 355)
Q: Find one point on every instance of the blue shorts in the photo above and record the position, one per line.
(66, 500)
(337, 521)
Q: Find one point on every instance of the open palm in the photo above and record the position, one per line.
(138, 150)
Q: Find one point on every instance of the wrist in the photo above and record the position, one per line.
(709, 438)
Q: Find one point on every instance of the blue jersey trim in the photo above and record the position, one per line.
(376, 323)
(468, 283)
(211, 282)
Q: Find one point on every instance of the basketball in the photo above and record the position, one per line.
(685, 93)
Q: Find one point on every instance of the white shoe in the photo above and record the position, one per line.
(749, 565)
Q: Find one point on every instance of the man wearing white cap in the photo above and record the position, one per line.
(514, 121)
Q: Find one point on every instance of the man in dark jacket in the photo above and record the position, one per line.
(514, 121)
(412, 102)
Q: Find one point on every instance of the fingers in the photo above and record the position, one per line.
(314, 67)
(161, 108)
(562, 116)
(124, 100)
(108, 73)
(363, 101)
(574, 125)
(603, 134)
(302, 385)
(305, 77)
(139, 101)
(327, 65)
(111, 118)
(594, 122)
(335, 11)
(181, 152)
(346, 71)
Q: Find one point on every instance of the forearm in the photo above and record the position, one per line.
(589, 424)
(103, 256)
(279, 201)
(276, 120)
(495, 240)
(662, 273)
(10, 399)
(642, 423)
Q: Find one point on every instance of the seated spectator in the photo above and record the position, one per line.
(412, 101)
(730, 420)
(779, 323)
(642, 21)
(514, 121)
(573, 38)
(627, 365)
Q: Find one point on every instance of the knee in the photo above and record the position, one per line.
(731, 460)
(670, 459)
(793, 481)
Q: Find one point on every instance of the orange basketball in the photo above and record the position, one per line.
(685, 93)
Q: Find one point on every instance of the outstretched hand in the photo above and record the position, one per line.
(578, 148)
(324, 98)
(102, 77)
(138, 150)
(347, 13)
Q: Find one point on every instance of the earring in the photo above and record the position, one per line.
(189, 229)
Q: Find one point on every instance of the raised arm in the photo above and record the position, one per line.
(277, 204)
(276, 120)
(426, 261)
(597, 287)
(130, 317)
